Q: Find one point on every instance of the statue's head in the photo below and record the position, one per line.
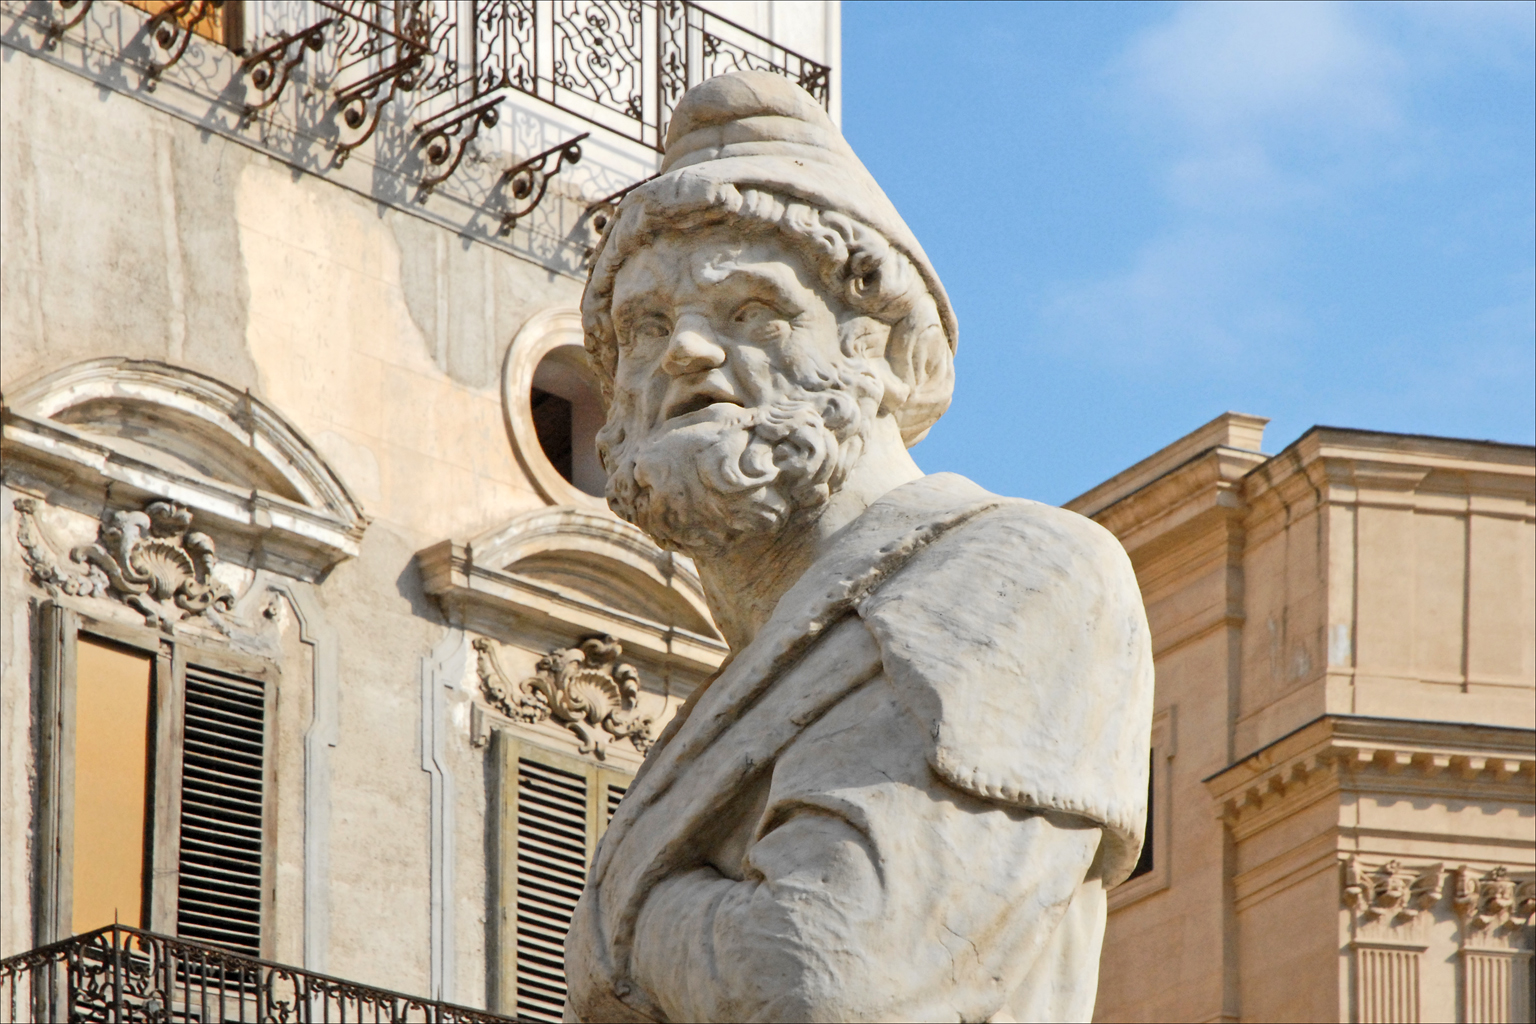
(760, 319)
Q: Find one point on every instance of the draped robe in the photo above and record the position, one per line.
(904, 799)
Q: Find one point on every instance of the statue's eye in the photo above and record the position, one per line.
(651, 327)
(759, 317)
(753, 312)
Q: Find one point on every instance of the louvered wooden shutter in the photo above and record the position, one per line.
(551, 869)
(223, 776)
(552, 810)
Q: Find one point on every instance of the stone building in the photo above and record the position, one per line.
(1344, 806)
(319, 642)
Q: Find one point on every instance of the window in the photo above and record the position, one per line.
(1152, 871)
(552, 810)
(567, 414)
(156, 784)
(1149, 840)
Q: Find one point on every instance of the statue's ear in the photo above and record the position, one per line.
(919, 357)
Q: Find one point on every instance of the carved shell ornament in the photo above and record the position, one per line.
(584, 688)
(150, 560)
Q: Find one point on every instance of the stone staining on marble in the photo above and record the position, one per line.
(907, 792)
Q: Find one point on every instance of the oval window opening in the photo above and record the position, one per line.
(567, 414)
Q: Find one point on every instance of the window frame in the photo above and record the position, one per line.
(1160, 877)
(506, 749)
(59, 630)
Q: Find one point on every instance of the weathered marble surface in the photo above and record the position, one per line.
(906, 793)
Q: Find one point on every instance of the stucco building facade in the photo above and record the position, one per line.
(298, 464)
(1345, 646)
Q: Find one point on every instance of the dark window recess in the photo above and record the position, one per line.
(615, 794)
(552, 424)
(551, 869)
(1144, 862)
(218, 898)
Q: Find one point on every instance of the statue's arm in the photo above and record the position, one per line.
(871, 892)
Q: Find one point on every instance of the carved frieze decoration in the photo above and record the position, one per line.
(585, 688)
(151, 560)
(1486, 902)
(1393, 894)
(1392, 891)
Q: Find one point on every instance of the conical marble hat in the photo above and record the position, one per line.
(753, 130)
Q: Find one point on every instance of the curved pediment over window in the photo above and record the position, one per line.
(575, 570)
(122, 432)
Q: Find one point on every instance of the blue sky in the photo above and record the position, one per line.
(1147, 214)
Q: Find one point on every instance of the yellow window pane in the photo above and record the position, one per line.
(112, 694)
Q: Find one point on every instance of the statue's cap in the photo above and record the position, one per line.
(758, 130)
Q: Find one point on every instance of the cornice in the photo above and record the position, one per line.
(1395, 470)
(1200, 494)
(1333, 753)
(494, 601)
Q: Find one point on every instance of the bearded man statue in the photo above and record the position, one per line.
(906, 792)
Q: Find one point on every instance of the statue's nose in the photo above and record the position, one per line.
(692, 348)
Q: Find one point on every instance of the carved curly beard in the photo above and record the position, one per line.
(743, 474)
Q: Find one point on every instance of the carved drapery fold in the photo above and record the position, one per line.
(584, 688)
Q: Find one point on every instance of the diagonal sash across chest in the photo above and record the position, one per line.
(810, 654)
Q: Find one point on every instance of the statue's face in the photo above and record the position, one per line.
(733, 406)
(707, 325)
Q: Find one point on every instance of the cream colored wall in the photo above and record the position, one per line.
(380, 337)
(1353, 574)
(1390, 577)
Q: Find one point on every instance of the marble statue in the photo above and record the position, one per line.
(905, 794)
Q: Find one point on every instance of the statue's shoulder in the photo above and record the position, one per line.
(1009, 534)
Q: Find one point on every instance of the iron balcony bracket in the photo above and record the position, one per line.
(271, 68)
(529, 180)
(171, 35)
(58, 28)
(438, 140)
(602, 210)
(360, 104)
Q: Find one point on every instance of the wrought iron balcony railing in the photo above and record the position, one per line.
(621, 65)
(119, 974)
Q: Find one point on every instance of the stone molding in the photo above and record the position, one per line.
(126, 433)
(1401, 756)
(585, 688)
(492, 586)
(546, 331)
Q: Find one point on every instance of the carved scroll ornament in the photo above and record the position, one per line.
(584, 688)
(151, 560)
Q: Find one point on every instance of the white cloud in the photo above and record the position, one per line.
(1227, 69)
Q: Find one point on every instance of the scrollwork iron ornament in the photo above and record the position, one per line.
(62, 25)
(171, 30)
(272, 67)
(445, 138)
(529, 180)
(118, 973)
(584, 688)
